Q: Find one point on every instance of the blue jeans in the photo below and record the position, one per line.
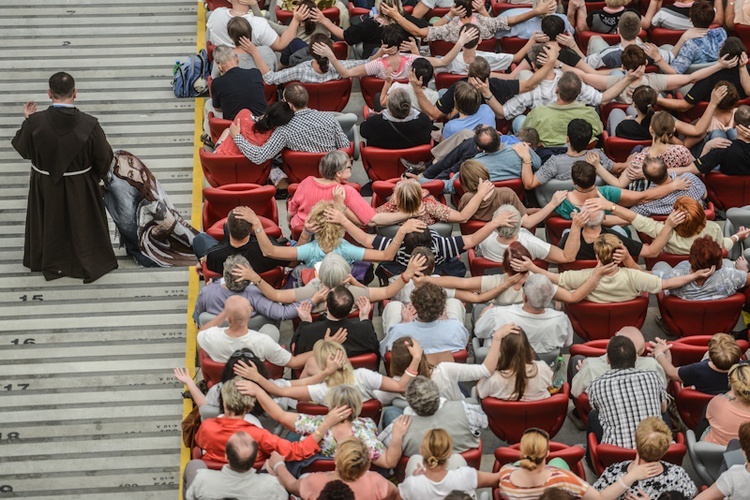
(730, 134)
(518, 123)
(390, 414)
(202, 243)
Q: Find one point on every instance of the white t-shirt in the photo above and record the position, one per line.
(431, 95)
(216, 25)
(502, 386)
(404, 295)
(448, 375)
(494, 250)
(734, 483)
(367, 381)
(497, 62)
(421, 488)
(546, 332)
(220, 346)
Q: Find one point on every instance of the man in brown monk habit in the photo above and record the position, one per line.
(66, 224)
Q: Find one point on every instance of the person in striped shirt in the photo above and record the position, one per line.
(533, 476)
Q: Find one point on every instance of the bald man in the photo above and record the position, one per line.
(237, 479)
(592, 368)
(219, 342)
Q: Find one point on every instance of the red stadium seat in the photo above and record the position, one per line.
(691, 349)
(212, 369)
(743, 32)
(583, 405)
(555, 226)
(576, 265)
(341, 50)
(274, 277)
(445, 80)
(221, 170)
(299, 165)
(384, 164)
(509, 419)
(700, 317)
(604, 455)
(219, 201)
(328, 96)
(699, 108)
(197, 454)
(382, 190)
(512, 44)
(357, 11)
(479, 265)
(691, 404)
(371, 408)
(473, 458)
(217, 125)
(662, 36)
(215, 4)
(320, 465)
(728, 191)
(367, 360)
(571, 454)
(285, 16)
(593, 321)
(441, 47)
(670, 258)
(271, 92)
(369, 85)
(618, 149)
(210, 47)
(498, 7)
(583, 37)
(591, 349)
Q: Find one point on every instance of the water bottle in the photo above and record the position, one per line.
(559, 378)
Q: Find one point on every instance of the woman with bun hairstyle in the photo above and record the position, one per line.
(399, 126)
(532, 476)
(436, 472)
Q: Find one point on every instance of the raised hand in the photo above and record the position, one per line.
(335, 362)
(248, 388)
(246, 370)
(593, 158)
(335, 216)
(539, 37)
(412, 225)
(339, 194)
(741, 264)
(364, 306)
(545, 8)
(725, 62)
(401, 425)
(301, 12)
(414, 349)
(505, 330)
(743, 233)
(183, 375)
(467, 35)
(482, 86)
(559, 197)
(580, 218)
(485, 189)
(566, 40)
(29, 109)
(248, 46)
(339, 336)
(336, 416)
(717, 94)
(304, 311)
(323, 50)
(408, 313)
(705, 273)
(409, 46)
(244, 272)
(417, 264)
(321, 295)
(413, 80)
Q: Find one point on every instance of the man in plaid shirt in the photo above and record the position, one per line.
(309, 130)
(624, 396)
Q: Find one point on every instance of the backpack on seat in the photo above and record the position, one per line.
(191, 77)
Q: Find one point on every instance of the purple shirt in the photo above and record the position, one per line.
(212, 298)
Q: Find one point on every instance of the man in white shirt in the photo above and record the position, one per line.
(547, 329)
(263, 34)
(237, 479)
(219, 343)
(497, 61)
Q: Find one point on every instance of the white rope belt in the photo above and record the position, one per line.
(66, 174)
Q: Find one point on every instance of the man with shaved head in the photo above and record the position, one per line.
(589, 369)
(220, 342)
(237, 479)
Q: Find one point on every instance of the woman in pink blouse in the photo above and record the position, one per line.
(335, 169)
(409, 198)
(726, 412)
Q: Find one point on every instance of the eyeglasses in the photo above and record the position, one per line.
(538, 430)
(242, 354)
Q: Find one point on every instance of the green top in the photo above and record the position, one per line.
(551, 121)
(609, 193)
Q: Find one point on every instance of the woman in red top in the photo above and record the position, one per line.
(255, 130)
(335, 170)
(214, 433)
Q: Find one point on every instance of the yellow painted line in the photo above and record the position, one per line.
(195, 221)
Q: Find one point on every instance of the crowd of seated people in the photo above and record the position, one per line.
(504, 121)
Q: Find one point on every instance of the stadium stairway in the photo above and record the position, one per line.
(89, 407)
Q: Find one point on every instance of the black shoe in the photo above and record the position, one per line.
(206, 140)
(281, 194)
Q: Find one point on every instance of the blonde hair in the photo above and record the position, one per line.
(723, 351)
(605, 246)
(471, 174)
(534, 449)
(436, 448)
(739, 381)
(408, 196)
(344, 375)
(345, 395)
(330, 234)
(234, 402)
(652, 439)
(352, 459)
(662, 126)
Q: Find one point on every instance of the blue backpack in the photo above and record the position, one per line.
(191, 77)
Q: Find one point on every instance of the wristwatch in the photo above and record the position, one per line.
(613, 208)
